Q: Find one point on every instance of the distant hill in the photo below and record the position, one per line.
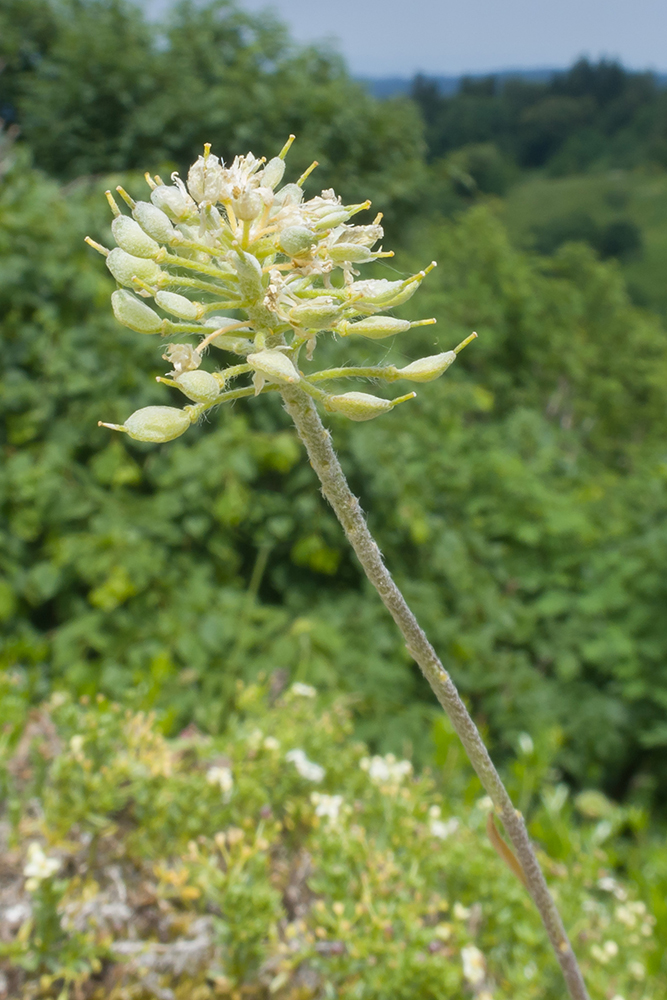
(391, 86)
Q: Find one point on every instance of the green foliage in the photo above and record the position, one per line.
(95, 87)
(240, 871)
(522, 507)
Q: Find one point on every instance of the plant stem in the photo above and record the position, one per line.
(348, 511)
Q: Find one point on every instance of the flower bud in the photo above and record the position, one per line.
(297, 241)
(248, 206)
(428, 369)
(156, 424)
(314, 316)
(359, 405)
(274, 365)
(375, 327)
(273, 172)
(135, 314)
(355, 253)
(249, 271)
(125, 266)
(205, 179)
(199, 386)
(153, 221)
(130, 237)
(178, 305)
(173, 202)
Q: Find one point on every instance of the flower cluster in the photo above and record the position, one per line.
(250, 267)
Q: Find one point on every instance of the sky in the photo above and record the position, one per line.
(443, 37)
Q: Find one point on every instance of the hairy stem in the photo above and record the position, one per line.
(348, 511)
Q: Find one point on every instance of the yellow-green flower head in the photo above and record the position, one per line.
(239, 261)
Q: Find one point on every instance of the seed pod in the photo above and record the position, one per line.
(173, 202)
(297, 241)
(153, 221)
(249, 271)
(205, 179)
(130, 237)
(354, 253)
(314, 316)
(273, 172)
(133, 313)
(157, 424)
(274, 365)
(199, 386)
(358, 405)
(428, 369)
(332, 219)
(125, 266)
(375, 327)
(178, 305)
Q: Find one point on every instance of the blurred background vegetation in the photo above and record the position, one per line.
(523, 505)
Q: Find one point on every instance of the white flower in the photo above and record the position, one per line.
(76, 743)
(461, 912)
(434, 812)
(443, 829)
(611, 948)
(327, 806)
(485, 804)
(637, 970)
(38, 866)
(386, 770)
(473, 964)
(271, 743)
(526, 744)
(306, 768)
(303, 690)
(223, 777)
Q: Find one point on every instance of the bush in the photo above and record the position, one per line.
(281, 857)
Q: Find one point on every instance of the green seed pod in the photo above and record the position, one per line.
(358, 405)
(274, 365)
(178, 305)
(273, 172)
(124, 267)
(173, 202)
(374, 327)
(332, 219)
(428, 369)
(199, 386)
(355, 253)
(297, 241)
(133, 313)
(314, 316)
(157, 424)
(377, 292)
(153, 221)
(403, 295)
(130, 237)
(249, 271)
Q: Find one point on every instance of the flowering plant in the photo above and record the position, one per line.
(276, 258)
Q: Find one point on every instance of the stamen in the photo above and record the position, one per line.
(112, 204)
(286, 148)
(130, 202)
(464, 343)
(97, 246)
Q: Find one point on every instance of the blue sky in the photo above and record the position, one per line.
(400, 37)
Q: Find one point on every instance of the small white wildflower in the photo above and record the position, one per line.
(637, 970)
(637, 907)
(38, 866)
(303, 690)
(611, 948)
(271, 743)
(599, 954)
(434, 812)
(443, 829)
(609, 884)
(617, 996)
(306, 768)
(386, 770)
(530, 970)
(223, 777)
(526, 744)
(76, 743)
(460, 911)
(473, 965)
(327, 806)
(625, 915)
(255, 739)
(485, 804)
